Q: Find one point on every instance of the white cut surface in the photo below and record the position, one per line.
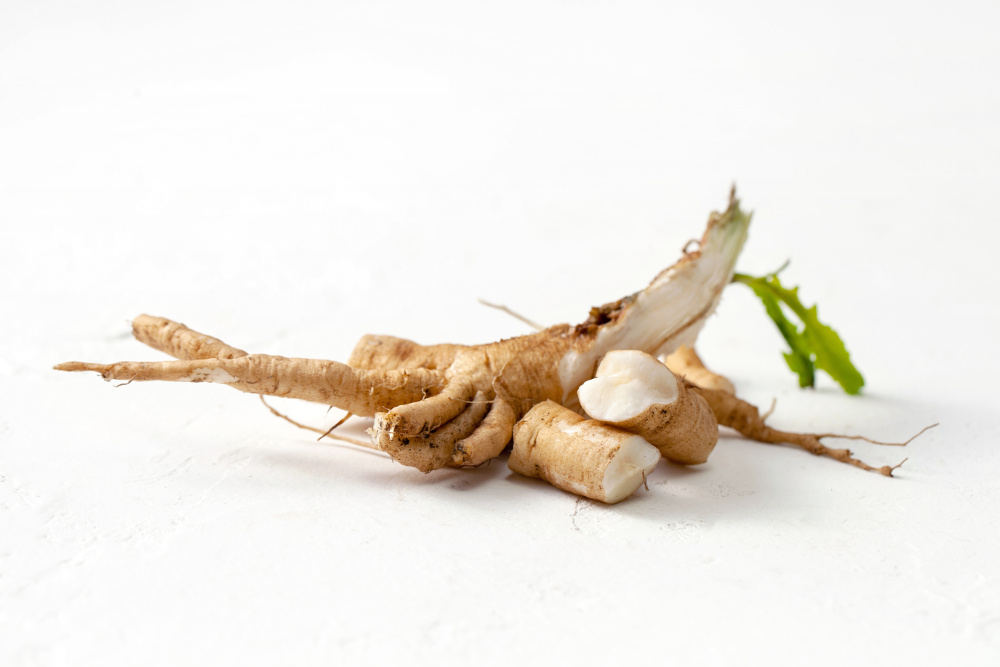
(635, 459)
(671, 311)
(627, 383)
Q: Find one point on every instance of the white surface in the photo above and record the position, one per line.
(290, 176)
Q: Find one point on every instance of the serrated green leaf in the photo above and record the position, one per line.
(817, 344)
(831, 354)
(799, 359)
(802, 366)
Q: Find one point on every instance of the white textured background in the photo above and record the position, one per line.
(289, 176)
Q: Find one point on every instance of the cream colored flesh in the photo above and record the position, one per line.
(636, 392)
(627, 383)
(672, 310)
(627, 471)
(578, 455)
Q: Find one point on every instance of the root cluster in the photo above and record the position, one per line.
(438, 406)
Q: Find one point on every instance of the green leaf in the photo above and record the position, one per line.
(802, 366)
(800, 358)
(816, 345)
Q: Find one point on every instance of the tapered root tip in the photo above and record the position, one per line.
(888, 470)
(73, 366)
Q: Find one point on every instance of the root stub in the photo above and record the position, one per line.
(579, 455)
(636, 392)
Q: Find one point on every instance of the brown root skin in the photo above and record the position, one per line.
(684, 361)
(636, 392)
(579, 455)
(490, 437)
(358, 391)
(179, 341)
(492, 385)
(745, 418)
(685, 432)
(511, 375)
(374, 352)
(550, 364)
(423, 394)
(429, 450)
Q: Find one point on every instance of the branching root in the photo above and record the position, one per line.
(323, 434)
(359, 391)
(179, 341)
(745, 418)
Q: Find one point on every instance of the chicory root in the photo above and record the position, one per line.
(579, 455)
(428, 401)
(637, 393)
(440, 406)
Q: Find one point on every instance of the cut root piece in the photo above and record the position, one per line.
(579, 455)
(329, 382)
(636, 392)
(745, 418)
